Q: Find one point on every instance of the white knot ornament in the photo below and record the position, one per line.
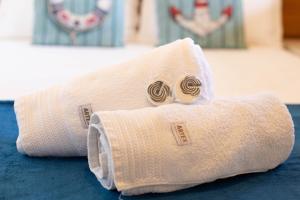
(159, 93)
(188, 89)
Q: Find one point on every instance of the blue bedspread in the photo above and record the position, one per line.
(22, 177)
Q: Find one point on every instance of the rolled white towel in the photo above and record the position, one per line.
(176, 146)
(54, 122)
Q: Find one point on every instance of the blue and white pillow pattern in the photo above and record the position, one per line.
(211, 23)
(79, 22)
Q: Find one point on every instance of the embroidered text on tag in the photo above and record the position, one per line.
(180, 133)
(85, 112)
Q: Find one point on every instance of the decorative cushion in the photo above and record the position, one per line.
(78, 22)
(211, 23)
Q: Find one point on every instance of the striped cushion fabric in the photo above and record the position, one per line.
(211, 23)
(108, 33)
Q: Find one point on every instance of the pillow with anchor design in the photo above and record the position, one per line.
(79, 22)
(211, 23)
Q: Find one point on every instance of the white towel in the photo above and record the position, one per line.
(177, 146)
(54, 122)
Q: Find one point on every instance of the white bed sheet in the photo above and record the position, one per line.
(25, 68)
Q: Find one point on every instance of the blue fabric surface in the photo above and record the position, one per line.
(22, 177)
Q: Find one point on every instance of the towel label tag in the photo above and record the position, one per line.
(85, 112)
(180, 133)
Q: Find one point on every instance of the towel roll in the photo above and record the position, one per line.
(177, 146)
(54, 122)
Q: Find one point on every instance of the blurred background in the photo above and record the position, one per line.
(252, 46)
(291, 16)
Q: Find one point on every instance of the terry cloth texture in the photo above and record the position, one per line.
(177, 146)
(54, 122)
(28, 178)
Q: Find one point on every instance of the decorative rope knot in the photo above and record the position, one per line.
(159, 92)
(191, 86)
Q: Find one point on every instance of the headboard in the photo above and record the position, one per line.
(291, 18)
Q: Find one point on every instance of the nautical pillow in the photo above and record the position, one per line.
(211, 23)
(79, 22)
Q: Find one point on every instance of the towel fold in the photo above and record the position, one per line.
(54, 122)
(175, 146)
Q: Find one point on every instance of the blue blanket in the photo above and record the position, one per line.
(22, 177)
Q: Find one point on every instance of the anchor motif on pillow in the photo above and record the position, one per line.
(201, 24)
(73, 23)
